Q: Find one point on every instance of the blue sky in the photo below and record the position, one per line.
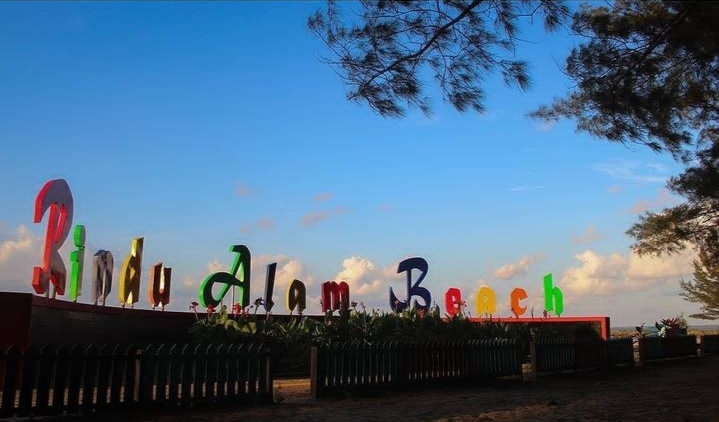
(201, 125)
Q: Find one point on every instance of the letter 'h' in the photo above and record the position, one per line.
(553, 298)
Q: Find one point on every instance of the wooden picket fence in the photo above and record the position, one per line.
(656, 348)
(709, 343)
(353, 367)
(58, 380)
(560, 354)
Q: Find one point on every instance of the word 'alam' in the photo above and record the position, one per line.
(55, 200)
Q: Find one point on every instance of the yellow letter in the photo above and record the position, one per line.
(486, 302)
(129, 290)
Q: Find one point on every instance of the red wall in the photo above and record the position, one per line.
(26, 318)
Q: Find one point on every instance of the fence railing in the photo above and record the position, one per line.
(56, 380)
(348, 367)
(351, 367)
(654, 348)
(558, 354)
(620, 351)
(495, 357)
(710, 343)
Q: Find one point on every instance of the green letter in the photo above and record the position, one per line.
(241, 265)
(553, 299)
(77, 258)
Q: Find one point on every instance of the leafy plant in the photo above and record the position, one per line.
(669, 327)
(353, 324)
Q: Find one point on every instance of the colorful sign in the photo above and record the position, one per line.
(55, 199)
(412, 289)
(241, 265)
(102, 265)
(159, 291)
(77, 258)
(130, 272)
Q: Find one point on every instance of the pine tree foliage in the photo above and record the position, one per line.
(383, 54)
(648, 73)
(704, 289)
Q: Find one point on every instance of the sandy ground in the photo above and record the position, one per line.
(682, 391)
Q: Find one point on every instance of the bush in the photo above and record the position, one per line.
(358, 325)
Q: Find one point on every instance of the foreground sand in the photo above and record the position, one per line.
(682, 391)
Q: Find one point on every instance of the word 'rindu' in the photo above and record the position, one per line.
(55, 200)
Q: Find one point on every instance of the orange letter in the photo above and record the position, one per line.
(514, 297)
(160, 285)
(486, 301)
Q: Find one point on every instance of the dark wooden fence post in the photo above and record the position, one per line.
(11, 361)
(269, 380)
(89, 379)
(252, 373)
(132, 358)
(60, 380)
(137, 384)
(314, 373)
(119, 371)
(221, 365)
(27, 383)
(188, 371)
(147, 376)
(198, 357)
(104, 371)
(532, 359)
(75, 375)
(174, 376)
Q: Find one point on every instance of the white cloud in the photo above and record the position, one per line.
(590, 235)
(384, 208)
(363, 277)
(598, 275)
(545, 126)
(189, 282)
(315, 217)
(632, 171)
(608, 274)
(614, 189)
(215, 266)
(244, 190)
(519, 268)
(522, 188)
(369, 283)
(643, 272)
(324, 196)
(18, 256)
(264, 223)
(22, 244)
(663, 199)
